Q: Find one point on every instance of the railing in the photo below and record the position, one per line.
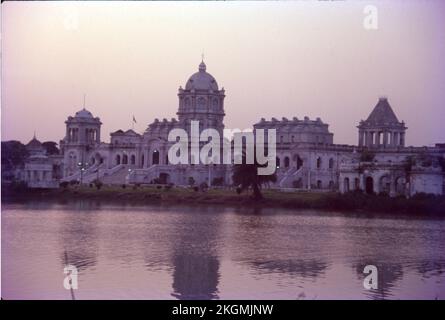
(290, 173)
(144, 175)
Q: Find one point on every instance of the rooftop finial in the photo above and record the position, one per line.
(84, 97)
(202, 65)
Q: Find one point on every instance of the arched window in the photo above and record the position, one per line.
(331, 185)
(331, 163)
(133, 159)
(142, 161)
(155, 157)
(286, 162)
(166, 159)
(318, 163)
(278, 162)
(118, 159)
(357, 184)
(124, 159)
(346, 185)
(319, 184)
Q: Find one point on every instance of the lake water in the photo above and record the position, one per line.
(129, 252)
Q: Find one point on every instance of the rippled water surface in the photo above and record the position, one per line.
(124, 252)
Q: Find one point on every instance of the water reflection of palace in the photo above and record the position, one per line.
(195, 258)
(79, 239)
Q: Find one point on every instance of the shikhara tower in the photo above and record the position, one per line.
(382, 129)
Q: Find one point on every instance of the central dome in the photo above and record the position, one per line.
(202, 80)
(84, 113)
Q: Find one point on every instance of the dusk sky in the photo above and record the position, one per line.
(274, 59)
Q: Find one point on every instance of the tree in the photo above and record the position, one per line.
(246, 176)
(14, 154)
(50, 147)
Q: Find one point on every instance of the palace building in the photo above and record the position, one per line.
(307, 157)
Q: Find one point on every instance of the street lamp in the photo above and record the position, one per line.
(82, 169)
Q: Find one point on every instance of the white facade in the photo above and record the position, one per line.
(307, 157)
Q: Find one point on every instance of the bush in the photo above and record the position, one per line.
(64, 184)
(19, 186)
(203, 186)
(98, 184)
(74, 182)
(218, 181)
(196, 189)
(124, 186)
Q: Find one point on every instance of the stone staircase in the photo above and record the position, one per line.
(289, 176)
(116, 175)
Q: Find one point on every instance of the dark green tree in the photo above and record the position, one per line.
(246, 176)
(14, 154)
(50, 147)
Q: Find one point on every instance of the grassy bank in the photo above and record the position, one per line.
(421, 204)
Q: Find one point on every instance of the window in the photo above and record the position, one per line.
(155, 157)
(286, 162)
(331, 163)
(318, 163)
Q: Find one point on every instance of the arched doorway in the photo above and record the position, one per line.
(118, 159)
(369, 185)
(299, 162)
(346, 185)
(385, 185)
(400, 186)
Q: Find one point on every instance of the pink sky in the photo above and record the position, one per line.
(274, 59)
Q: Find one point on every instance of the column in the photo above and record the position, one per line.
(402, 139)
(392, 188)
(385, 138)
(368, 138)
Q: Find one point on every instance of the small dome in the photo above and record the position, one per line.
(202, 80)
(34, 144)
(84, 113)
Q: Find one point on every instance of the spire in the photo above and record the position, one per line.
(84, 98)
(202, 65)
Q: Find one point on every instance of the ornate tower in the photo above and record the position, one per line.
(202, 100)
(381, 129)
(82, 135)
